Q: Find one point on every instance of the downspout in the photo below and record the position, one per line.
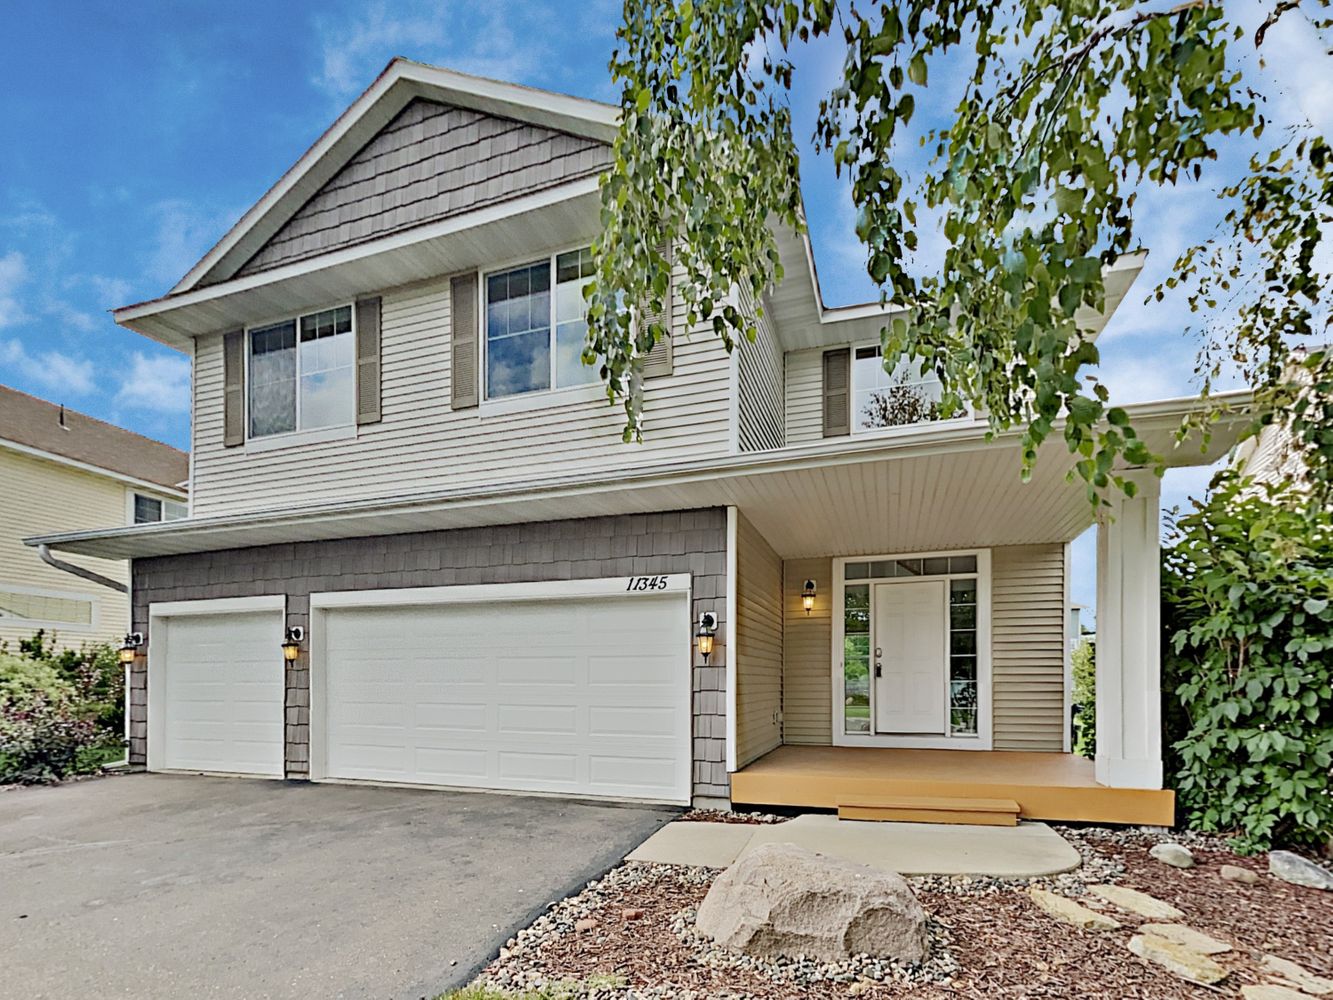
(87, 574)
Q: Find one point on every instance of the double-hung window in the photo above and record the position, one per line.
(149, 510)
(907, 395)
(301, 373)
(536, 326)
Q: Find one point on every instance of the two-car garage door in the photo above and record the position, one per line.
(585, 695)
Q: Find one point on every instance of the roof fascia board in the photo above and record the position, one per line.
(390, 92)
(970, 436)
(172, 492)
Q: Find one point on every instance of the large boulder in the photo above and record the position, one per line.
(781, 900)
(1298, 870)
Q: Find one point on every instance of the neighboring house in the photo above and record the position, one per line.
(1273, 456)
(63, 471)
(396, 451)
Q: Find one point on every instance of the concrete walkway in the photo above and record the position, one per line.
(1023, 851)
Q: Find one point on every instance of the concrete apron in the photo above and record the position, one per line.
(1023, 851)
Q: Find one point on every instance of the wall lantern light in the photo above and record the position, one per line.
(808, 596)
(704, 636)
(291, 643)
(129, 649)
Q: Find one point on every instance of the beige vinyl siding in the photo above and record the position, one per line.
(422, 445)
(758, 644)
(759, 384)
(42, 497)
(807, 679)
(804, 397)
(1028, 646)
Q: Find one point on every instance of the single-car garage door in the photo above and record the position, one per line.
(216, 703)
(583, 696)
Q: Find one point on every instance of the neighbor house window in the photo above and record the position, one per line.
(148, 510)
(907, 395)
(301, 373)
(536, 326)
(47, 608)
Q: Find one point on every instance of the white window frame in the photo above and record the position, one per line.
(537, 399)
(284, 439)
(131, 494)
(984, 738)
(94, 611)
(963, 417)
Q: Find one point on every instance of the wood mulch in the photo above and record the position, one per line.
(1005, 946)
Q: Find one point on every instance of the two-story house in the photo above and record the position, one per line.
(61, 470)
(800, 589)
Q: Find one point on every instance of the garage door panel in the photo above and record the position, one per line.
(222, 693)
(552, 687)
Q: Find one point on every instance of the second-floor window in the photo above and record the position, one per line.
(301, 373)
(535, 326)
(906, 395)
(148, 510)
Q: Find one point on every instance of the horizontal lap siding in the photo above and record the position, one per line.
(1028, 646)
(759, 645)
(422, 445)
(807, 701)
(804, 397)
(760, 405)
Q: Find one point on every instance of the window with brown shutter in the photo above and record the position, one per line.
(660, 360)
(463, 342)
(368, 361)
(233, 391)
(837, 392)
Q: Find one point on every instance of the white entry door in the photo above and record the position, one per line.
(216, 703)
(586, 696)
(909, 658)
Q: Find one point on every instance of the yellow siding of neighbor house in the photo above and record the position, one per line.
(1027, 650)
(42, 497)
(759, 645)
(807, 699)
(422, 444)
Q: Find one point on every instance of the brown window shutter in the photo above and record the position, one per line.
(463, 363)
(368, 361)
(660, 361)
(837, 392)
(233, 388)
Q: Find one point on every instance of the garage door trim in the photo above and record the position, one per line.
(648, 585)
(159, 615)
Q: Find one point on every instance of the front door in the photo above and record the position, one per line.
(909, 658)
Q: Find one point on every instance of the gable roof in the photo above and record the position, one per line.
(37, 425)
(401, 82)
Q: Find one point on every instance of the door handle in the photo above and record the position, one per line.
(879, 670)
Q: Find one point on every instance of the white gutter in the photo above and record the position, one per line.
(79, 571)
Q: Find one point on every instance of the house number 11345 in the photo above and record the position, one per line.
(646, 583)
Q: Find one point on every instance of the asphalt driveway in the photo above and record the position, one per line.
(172, 886)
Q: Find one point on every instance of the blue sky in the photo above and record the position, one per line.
(138, 132)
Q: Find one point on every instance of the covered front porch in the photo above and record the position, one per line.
(1044, 785)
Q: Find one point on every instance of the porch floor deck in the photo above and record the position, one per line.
(1050, 786)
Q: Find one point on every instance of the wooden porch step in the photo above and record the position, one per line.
(932, 809)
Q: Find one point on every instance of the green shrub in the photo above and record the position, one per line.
(1248, 665)
(1084, 660)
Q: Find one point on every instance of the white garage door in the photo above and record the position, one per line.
(221, 693)
(578, 696)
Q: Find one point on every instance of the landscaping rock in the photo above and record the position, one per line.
(1188, 936)
(1298, 870)
(1175, 855)
(1064, 908)
(1232, 873)
(1271, 992)
(1136, 902)
(785, 901)
(1177, 959)
(1298, 976)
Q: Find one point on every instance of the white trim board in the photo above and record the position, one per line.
(175, 493)
(481, 593)
(984, 740)
(731, 647)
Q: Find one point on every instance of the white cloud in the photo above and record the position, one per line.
(13, 274)
(159, 383)
(185, 232)
(53, 371)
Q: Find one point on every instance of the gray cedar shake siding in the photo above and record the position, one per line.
(693, 541)
(431, 162)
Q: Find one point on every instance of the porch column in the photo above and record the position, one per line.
(1129, 667)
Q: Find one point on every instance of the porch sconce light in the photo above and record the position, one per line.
(808, 596)
(291, 643)
(129, 649)
(704, 636)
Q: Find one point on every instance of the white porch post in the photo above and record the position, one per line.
(1129, 668)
